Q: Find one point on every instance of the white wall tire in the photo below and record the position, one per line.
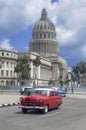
(45, 110)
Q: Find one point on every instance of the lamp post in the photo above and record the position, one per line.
(0, 64)
(0, 68)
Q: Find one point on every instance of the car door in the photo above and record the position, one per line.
(53, 99)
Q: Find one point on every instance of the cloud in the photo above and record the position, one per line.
(71, 21)
(17, 15)
(6, 44)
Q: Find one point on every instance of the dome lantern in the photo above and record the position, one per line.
(43, 15)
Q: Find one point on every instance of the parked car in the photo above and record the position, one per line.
(42, 99)
(60, 91)
(26, 90)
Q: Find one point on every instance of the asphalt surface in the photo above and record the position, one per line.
(10, 99)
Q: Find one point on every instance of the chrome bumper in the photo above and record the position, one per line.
(32, 107)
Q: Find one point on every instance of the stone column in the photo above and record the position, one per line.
(31, 65)
(39, 72)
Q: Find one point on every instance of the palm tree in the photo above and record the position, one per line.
(82, 68)
(79, 70)
(51, 82)
(36, 63)
(75, 70)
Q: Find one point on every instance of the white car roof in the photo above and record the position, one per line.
(47, 89)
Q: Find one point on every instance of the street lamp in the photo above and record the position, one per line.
(0, 64)
(0, 68)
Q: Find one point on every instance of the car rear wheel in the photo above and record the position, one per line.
(24, 110)
(45, 110)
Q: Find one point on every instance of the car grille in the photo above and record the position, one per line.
(31, 103)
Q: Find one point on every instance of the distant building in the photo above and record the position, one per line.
(44, 44)
(8, 61)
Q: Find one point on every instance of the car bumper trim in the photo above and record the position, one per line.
(32, 107)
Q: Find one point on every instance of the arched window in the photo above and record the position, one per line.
(7, 82)
(41, 26)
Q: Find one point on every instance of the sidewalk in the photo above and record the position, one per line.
(9, 99)
(76, 95)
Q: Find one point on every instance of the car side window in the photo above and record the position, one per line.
(52, 93)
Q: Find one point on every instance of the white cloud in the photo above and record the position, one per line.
(16, 15)
(71, 21)
(6, 44)
(65, 36)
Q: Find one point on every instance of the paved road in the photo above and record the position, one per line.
(70, 116)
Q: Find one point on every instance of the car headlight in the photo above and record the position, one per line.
(41, 101)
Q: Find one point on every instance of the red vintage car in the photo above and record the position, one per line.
(41, 99)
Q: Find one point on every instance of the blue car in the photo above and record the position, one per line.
(60, 91)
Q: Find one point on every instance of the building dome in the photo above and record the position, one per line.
(44, 24)
(44, 37)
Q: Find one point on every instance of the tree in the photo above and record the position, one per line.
(82, 68)
(51, 82)
(36, 63)
(75, 70)
(61, 82)
(23, 68)
(78, 71)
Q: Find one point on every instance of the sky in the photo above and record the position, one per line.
(17, 18)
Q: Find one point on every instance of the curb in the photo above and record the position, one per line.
(9, 104)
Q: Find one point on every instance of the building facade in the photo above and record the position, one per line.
(8, 61)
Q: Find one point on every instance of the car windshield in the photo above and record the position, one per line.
(40, 92)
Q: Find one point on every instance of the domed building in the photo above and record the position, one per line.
(44, 43)
(44, 37)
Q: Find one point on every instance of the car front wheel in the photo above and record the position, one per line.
(45, 110)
